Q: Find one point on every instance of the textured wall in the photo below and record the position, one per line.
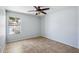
(30, 26)
(61, 25)
(2, 30)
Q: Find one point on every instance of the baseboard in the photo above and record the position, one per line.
(25, 38)
(60, 42)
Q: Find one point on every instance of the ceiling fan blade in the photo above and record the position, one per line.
(32, 11)
(45, 9)
(43, 12)
(35, 7)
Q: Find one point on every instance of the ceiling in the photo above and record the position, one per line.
(22, 9)
(25, 9)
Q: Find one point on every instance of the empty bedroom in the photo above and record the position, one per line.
(39, 29)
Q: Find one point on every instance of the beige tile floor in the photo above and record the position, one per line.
(39, 45)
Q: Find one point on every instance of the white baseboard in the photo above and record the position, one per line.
(60, 42)
(22, 38)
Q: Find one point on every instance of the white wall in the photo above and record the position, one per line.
(61, 25)
(2, 30)
(78, 27)
(30, 26)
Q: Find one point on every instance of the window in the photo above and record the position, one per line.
(14, 25)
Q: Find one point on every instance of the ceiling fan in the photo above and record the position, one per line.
(39, 10)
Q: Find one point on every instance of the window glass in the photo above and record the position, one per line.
(14, 25)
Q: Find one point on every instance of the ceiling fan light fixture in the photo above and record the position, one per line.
(39, 11)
